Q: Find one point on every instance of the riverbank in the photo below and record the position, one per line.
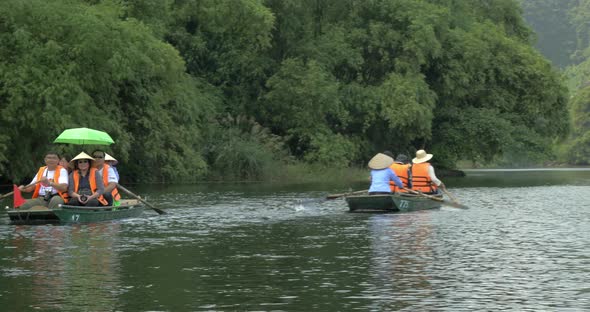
(302, 173)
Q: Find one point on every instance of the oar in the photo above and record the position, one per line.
(10, 193)
(160, 211)
(6, 195)
(439, 199)
(334, 196)
(453, 198)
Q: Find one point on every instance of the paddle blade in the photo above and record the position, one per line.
(18, 197)
(333, 196)
(455, 204)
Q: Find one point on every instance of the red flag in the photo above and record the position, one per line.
(18, 197)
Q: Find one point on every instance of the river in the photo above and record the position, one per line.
(524, 245)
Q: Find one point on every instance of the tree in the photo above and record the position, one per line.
(67, 64)
(554, 29)
(577, 149)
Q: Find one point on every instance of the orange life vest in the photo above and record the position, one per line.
(105, 180)
(421, 179)
(91, 180)
(63, 195)
(402, 171)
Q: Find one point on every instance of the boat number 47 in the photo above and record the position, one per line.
(404, 204)
(75, 217)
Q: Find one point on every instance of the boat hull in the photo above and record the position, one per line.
(390, 203)
(74, 214)
(83, 214)
(35, 215)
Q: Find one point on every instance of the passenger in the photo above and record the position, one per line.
(402, 159)
(110, 180)
(85, 183)
(381, 174)
(111, 161)
(51, 190)
(65, 163)
(403, 170)
(390, 154)
(423, 177)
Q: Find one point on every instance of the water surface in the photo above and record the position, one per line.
(524, 245)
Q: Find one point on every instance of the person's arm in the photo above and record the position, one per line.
(71, 190)
(29, 188)
(62, 184)
(99, 185)
(393, 177)
(110, 187)
(434, 178)
(112, 181)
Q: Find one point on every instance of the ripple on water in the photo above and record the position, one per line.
(520, 249)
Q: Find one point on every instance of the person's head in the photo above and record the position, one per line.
(63, 161)
(402, 159)
(421, 156)
(380, 161)
(110, 160)
(82, 162)
(388, 153)
(98, 156)
(51, 159)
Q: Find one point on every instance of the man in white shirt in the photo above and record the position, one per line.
(49, 186)
(423, 177)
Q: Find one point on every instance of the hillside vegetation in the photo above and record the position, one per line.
(201, 89)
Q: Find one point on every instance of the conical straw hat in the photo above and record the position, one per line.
(380, 161)
(108, 157)
(81, 156)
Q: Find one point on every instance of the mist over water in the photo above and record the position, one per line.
(524, 245)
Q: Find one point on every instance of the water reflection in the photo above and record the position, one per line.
(401, 254)
(523, 246)
(64, 268)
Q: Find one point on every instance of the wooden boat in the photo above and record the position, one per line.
(75, 214)
(83, 214)
(398, 202)
(35, 215)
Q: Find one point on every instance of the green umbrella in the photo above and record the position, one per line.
(84, 136)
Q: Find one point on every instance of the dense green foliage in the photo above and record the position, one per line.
(577, 149)
(196, 89)
(579, 73)
(554, 28)
(66, 64)
(563, 30)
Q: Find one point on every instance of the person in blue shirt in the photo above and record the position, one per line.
(113, 163)
(381, 174)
